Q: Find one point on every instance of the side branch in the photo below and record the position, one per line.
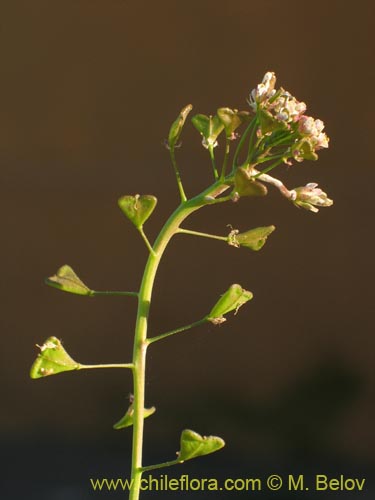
(177, 330)
(203, 235)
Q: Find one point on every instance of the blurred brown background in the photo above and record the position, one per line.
(88, 92)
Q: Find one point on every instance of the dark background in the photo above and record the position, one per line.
(88, 92)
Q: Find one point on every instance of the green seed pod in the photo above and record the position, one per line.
(177, 125)
(210, 127)
(244, 185)
(137, 208)
(53, 359)
(231, 119)
(194, 445)
(128, 419)
(231, 300)
(66, 280)
(254, 239)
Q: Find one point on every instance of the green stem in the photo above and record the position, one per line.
(251, 147)
(268, 169)
(178, 177)
(203, 235)
(242, 140)
(226, 156)
(145, 239)
(212, 156)
(94, 293)
(112, 365)
(177, 330)
(160, 466)
(140, 337)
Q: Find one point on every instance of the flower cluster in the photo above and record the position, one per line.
(278, 110)
(310, 196)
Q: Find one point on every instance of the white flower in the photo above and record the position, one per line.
(263, 91)
(310, 196)
(308, 126)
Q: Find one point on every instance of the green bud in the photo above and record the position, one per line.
(177, 125)
(128, 419)
(231, 300)
(254, 239)
(53, 359)
(194, 445)
(231, 119)
(137, 208)
(244, 185)
(66, 280)
(210, 127)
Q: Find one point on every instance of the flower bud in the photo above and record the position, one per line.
(310, 196)
(263, 91)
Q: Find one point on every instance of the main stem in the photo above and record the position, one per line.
(170, 228)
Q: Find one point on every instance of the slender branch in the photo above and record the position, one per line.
(94, 293)
(160, 466)
(112, 365)
(177, 330)
(212, 156)
(178, 177)
(226, 156)
(290, 195)
(251, 147)
(267, 169)
(242, 140)
(145, 239)
(203, 235)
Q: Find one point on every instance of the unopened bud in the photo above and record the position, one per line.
(310, 196)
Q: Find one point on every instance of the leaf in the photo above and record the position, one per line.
(254, 239)
(244, 185)
(128, 418)
(53, 359)
(177, 125)
(194, 445)
(231, 300)
(137, 208)
(66, 280)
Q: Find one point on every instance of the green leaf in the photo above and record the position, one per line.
(66, 280)
(53, 359)
(177, 125)
(194, 445)
(231, 300)
(254, 239)
(137, 208)
(244, 185)
(128, 419)
(210, 127)
(231, 119)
